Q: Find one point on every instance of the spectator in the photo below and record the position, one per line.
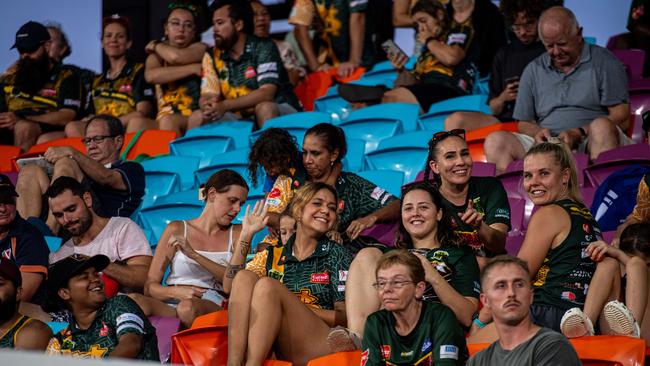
(22, 244)
(488, 29)
(641, 211)
(509, 63)
(340, 30)
(409, 330)
(638, 25)
(507, 294)
(39, 97)
(196, 252)
(100, 327)
(118, 238)
(243, 75)
(623, 266)
(117, 185)
(299, 287)
(262, 23)
(121, 91)
(18, 331)
(450, 268)
(174, 65)
(565, 93)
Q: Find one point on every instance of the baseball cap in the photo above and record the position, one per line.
(10, 271)
(7, 188)
(60, 272)
(30, 36)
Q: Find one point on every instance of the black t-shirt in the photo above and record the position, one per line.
(115, 202)
(510, 61)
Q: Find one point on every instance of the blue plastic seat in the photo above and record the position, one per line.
(254, 194)
(156, 217)
(435, 117)
(403, 112)
(236, 160)
(296, 124)
(188, 196)
(184, 166)
(159, 184)
(371, 130)
(390, 180)
(333, 105)
(355, 159)
(406, 153)
(204, 147)
(237, 130)
(53, 243)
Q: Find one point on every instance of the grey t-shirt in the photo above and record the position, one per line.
(559, 101)
(547, 347)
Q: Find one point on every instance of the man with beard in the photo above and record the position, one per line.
(243, 75)
(23, 244)
(117, 185)
(507, 293)
(40, 97)
(118, 238)
(16, 330)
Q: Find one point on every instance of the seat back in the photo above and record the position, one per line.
(352, 358)
(610, 350)
(189, 196)
(7, 153)
(355, 158)
(406, 159)
(165, 328)
(157, 217)
(203, 147)
(184, 166)
(390, 180)
(435, 117)
(53, 243)
(159, 184)
(150, 142)
(215, 319)
(237, 130)
(403, 112)
(633, 59)
(200, 346)
(371, 130)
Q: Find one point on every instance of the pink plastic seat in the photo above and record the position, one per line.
(165, 328)
(616, 159)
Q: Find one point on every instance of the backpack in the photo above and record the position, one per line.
(616, 197)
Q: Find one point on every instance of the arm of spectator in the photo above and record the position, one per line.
(620, 115)
(56, 118)
(179, 56)
(156, 73)
(448, 55)
(132, 274)
(333, 317)
(528, 128)
(401, 14)
(306, 46)
(31, 283)
(129, 346)
(91, 168)
(143, 109)
(544, 229)
(493, 236)
(509, 94)
(390, 212)
(265, 93)
(34, 336)
(357, 35)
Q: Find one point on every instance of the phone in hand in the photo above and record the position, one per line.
(391, 48)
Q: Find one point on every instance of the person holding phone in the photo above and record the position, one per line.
(508, 65)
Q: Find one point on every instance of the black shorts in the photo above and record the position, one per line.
(430, 93)
(547, 316)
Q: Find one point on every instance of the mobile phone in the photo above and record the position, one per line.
(512, 79)
(391, 48)
(214, 296)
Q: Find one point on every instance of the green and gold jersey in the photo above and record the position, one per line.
(437, 339)
(178, 97)
(62, 90)
(119, 96)
(458, 266)
(118, 316)
(258, 65)
(563, 279)
(489, 198)
(358, 197)
(8, 339)
(318, 281)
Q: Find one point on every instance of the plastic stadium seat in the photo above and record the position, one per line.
(189, 196)
(403, 112)
(513, 244)
(608, 236)
(157, 217)
(371, 130)
(588, 195)
(8, 152)
(73, 142)
(639, 103)
(406, 153)
(517, 212)
(616, 159)
(238, 130)
(352, 358)
(236, 160)
(184, 166)
(336, 107)
(165, 327)
(389, 180)
(56, 327)
(218, 318)
(481, 169)
(204, 147)
(159, 184)
(53, 243)
(150, 142)
(476, 138)
(355, 158)
(633, 59)
(296, 124)
(254, 194)
(200, 346)
(437, 113)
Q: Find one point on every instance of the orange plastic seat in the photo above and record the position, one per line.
(476, 138)
(276, 363)
(216, 319)
(8, 152)
(150, 142)
(352, 358)
(476, 348)
(200, 346)
(73, 142)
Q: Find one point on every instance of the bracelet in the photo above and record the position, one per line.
(478, 323)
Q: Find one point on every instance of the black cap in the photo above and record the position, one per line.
(7, 188)
(30, 36)
(10, 271)
(60, 272)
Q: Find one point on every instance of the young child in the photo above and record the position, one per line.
(287, 229)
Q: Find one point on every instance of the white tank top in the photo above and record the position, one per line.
(186, 271)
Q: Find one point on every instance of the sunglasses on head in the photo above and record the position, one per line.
(441, 135)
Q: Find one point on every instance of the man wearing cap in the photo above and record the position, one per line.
(119, 238)
(16, 330)
(39, 97)
(23, 244)
(100, 327)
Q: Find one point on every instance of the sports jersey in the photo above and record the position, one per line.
(437, 339)
(358, 197)
(120, 95)
(458, 266)
(641, 210)
(318, 281)
(488, 198)
(280, 189)
(563, 279)
(115, 202)
(118, 316)
(178, 97)
(8, 340)
(258, 65)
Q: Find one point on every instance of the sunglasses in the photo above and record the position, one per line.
(441, 135)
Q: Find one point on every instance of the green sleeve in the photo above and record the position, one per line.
(126, 316)
(466, 274)
(370, 346)
(142, 91)
(70, 93)
(358, 6)
(497, 208)
(340, 259)
(449, 347)
(367, 196)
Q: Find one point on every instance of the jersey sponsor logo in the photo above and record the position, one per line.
(426, 346)
(341, 288)
(376, 193)
(343, 275)
(502, 212)
(456, 38)
(48, 93)
(103, 332)
(129, 317)
(307, 298)
(364, 357)
(267, 67)
(385, 351)
(73, 102)
(323, 277)
(568, 295)
(406, 354)
(148, 92)
(274, 198)
(341, 206)
(126, 88)
(6, 254)
(250, 73)
(448, 351)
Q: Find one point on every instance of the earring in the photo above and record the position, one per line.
(332, 163)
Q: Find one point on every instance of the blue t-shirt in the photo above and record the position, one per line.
(114, 202)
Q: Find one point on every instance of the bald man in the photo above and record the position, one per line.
(575, 92)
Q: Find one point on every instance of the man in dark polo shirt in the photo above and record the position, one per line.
(39, 97)
(243, 75)
(118, 186)
(23, 244)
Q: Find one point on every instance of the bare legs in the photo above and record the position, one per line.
(604, 286)
(501, 148)
(469, 120)
(361, 298)
(186, 310)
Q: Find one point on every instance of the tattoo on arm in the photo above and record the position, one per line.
(232, 270)
(245, 246)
